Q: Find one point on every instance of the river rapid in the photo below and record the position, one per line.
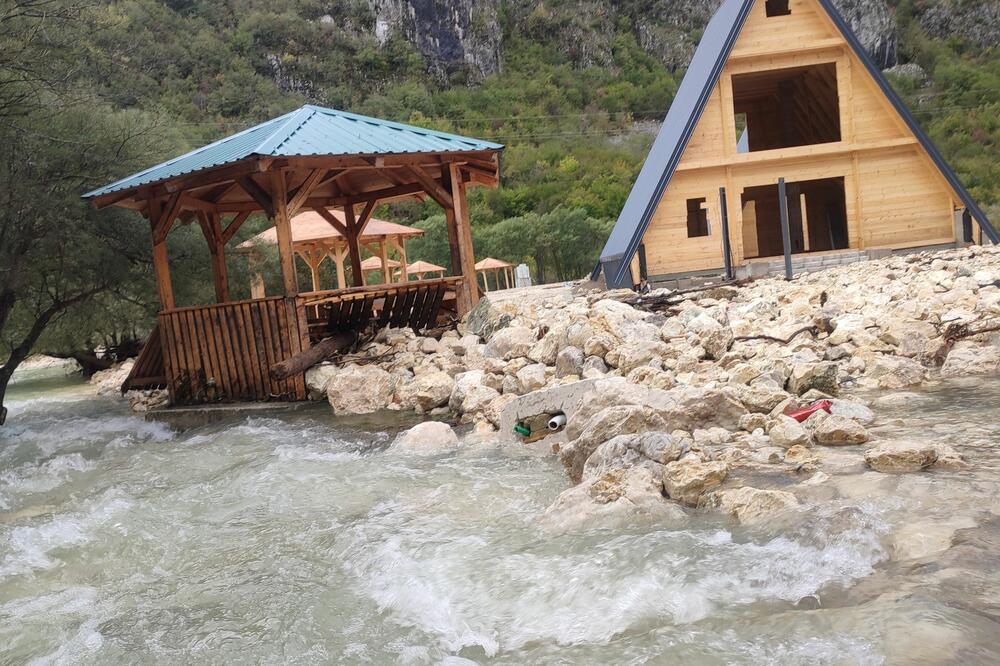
(302, 539)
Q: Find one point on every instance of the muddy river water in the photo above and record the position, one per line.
(298, 539)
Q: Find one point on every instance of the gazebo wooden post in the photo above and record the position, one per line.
(463, 229)
(256, 277)
(357, 275)
(383, 253)
(403, 266)
(211, 227)
(283, 227)
(159, 225)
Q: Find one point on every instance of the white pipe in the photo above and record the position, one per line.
(557, 421)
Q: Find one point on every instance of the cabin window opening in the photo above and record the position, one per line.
(784, 108)
(777, 8)
(697, 218)
(817, 218)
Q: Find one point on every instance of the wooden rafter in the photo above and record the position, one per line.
(431, 186)
(302, 192)
(258, 193)
(334, 222)
(234, 226)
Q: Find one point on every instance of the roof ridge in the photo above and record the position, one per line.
(296, 120)
(417, 129)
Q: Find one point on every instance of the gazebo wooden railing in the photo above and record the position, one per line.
(310, 159)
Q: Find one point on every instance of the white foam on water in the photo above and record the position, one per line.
(28, 548)
(40, 478)
(473, 591)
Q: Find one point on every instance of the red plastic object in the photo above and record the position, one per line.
(802, 414)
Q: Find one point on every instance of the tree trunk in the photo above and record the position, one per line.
(321, 351)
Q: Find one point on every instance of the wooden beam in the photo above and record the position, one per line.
(332, 220)
(161, 262)
(432, 186)
(366, 216)
(298, 197)
(283, 228)
(234, 226)
(357, 275)
(467, 257)
(165, 220)
(259, 194)
(211, 228)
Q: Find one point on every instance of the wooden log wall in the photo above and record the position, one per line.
(223, 352)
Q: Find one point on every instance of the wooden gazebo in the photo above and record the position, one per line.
(420, 269)
(315, 239)
(310, 159)
(496, 266)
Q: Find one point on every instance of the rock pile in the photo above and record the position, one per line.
(690, 401)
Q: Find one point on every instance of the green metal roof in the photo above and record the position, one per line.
(310, 130)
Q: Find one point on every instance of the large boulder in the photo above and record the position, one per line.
(426, 437)
(545, 350)
(834, 430)
(634, 354)
(622, 321)
(749, 505)
(569, 361)
(967, 357)
(359, 389)
(431, 389)
(511, 342)
(786, 432)
(464, 383)
(602, 426)
(619, 497)
(531, 377)
(892, 372)
(821, 376)
(478, 400)
(896, 456)
(624, 451)
(685, 480)
(317, 378)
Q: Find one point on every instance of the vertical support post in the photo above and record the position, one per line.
(314, 259)
(786, 239)
(161, 259)
(383, 253)
(338, 261)
(211, 227)
(804, 216)
(256, 278)
(463, 227)
(283, 229)
(357, 275)
(727, 249)
(404, 276)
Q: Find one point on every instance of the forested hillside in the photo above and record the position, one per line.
(94, 90)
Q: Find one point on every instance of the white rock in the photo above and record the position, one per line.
(360, 389)
(685, 480)
(426, 437)
(786, 432)
(893, 457)
(511, 342)
(749, 505)
(839, 430)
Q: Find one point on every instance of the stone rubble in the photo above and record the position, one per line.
(688, 403)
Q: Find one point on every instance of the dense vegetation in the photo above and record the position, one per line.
(91, 90)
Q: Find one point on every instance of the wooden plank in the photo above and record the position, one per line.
(224, 353)
(267, 315)
(386, 312)
(283, 230)
(198, 386)
(207, 351)
(240, 351)
(256, 323)
(169, 360)
(252, 357)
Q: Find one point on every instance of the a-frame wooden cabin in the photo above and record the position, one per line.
(312, 159)
(781, 99)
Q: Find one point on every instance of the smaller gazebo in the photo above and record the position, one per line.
(495, 266)
(314, 238)
(420, 269)
(372, 264)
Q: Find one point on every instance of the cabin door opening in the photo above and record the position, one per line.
(817, 218)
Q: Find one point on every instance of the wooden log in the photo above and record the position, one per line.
(321, 351)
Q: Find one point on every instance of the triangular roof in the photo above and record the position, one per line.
(375, 264)
(489, 264)
(693, 94)
(311, 226)
(422, 266)
(307, 131)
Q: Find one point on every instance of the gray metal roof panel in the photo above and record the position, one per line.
(308, 131)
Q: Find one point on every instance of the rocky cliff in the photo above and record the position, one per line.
(469, 37)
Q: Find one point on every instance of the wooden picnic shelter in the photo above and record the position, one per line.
(496, 266)
(420, 269)
(313, 159)
(315, 240)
